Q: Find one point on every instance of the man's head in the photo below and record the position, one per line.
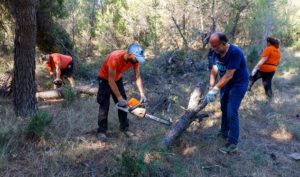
(135, 53)
(218, 42)
(273, 41)
(44, 58)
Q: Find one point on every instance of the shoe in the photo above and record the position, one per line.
(102, 136)
(228, 148)
(128, 134)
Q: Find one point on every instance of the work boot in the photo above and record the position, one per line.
(228, 148)
(101, 136)
(128, 134)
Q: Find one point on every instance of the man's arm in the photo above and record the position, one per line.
(213, 75)
(226, 78)
(138, 81)
(49, 68)
(58, 71)
(112, 83)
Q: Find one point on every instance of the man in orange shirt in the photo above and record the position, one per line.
(267, 66)
(63, 66)
(111, 83)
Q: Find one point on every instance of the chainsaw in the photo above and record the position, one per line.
(138, 109)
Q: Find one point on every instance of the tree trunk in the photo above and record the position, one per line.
(24, 86)
(196, 103)
(181, 34)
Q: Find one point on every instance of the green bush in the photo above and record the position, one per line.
(131, 164)
(36, 127)
(252, 57)
(68, 94)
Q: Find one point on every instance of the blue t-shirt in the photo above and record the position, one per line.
(234, 59)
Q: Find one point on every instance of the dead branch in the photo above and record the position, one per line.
(196, 104)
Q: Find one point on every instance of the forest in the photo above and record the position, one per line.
(50, 124)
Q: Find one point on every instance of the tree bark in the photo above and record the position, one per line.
(56, 94)
(196, 103)
(24, 86)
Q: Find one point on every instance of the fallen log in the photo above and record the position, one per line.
(58, 93)
(196, 103)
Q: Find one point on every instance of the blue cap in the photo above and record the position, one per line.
(137, 51)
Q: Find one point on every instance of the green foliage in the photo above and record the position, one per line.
(252, 57)
(132, 164)
(68, 94)
(36, 127)
(87, 71)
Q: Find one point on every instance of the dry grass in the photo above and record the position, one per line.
(269, 132)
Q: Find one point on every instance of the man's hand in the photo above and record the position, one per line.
(254, 71)
(122, 102)
(212, 94)
(143, 98)
(57, 81)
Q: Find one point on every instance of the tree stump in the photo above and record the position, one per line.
(196, 103)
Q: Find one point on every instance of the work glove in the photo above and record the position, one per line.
(57, 81)
(143, 99)
(254, 71)
(122, 102)
(212, 94)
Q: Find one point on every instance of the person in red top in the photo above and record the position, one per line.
(62, 65)
(267, 65)
(111, 83)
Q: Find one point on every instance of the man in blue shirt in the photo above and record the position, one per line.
(231, 65)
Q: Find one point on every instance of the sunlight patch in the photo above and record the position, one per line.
(281, 134)
(209, 123)
(188, 151)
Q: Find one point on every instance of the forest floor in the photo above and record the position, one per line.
(269, 132)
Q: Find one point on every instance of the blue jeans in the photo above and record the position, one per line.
(231, 98)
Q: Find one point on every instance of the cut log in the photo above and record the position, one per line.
(55, 94)
(196, 103)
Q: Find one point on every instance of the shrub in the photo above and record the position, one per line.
(37, 125)
(68, 94)
(252, 57)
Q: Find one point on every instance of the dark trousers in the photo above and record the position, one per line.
(231, 98)
(103, 98)
(266, 79)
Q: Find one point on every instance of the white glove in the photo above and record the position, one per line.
(143, 99)
(254, 71)
(122, 102)
(57, 81)
(212, 94)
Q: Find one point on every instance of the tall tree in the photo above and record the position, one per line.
(24, 86)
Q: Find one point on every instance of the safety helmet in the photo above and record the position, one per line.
(137, 51)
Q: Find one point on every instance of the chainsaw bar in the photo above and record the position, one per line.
(164, 121)
(130, 109)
